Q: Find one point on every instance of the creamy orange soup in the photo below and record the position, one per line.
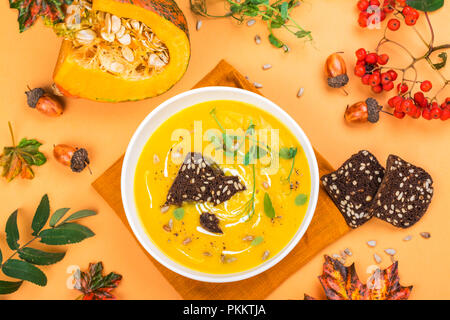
(256, 223)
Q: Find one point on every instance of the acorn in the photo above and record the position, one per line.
(336, 71)
(75, 158)
(43, 102)
(363, 111)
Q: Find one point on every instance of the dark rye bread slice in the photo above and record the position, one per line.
(201, 180)
(404, 195)
(353, 186)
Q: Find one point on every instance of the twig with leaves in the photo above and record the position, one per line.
(58, 233)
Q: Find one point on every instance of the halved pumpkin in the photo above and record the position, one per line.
(123, 67)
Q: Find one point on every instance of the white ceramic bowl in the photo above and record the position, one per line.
(161, 114)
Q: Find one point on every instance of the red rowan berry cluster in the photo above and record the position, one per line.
(373, 70)
(418, 105)
(368, 67)
(373, 12)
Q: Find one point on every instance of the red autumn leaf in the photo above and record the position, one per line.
(385, 285)
(30, 10)
(342, 283)
(94, 285)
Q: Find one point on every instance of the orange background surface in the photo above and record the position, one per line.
(105, 129)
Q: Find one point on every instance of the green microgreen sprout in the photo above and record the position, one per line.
(276, 15)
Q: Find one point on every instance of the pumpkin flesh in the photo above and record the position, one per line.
(75, 79)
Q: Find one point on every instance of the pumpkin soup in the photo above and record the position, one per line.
(222, 186)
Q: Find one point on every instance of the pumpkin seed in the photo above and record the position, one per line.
(156, 62)
(108, 23)
(127, 53)
(377, 258)
(257, 39)
(407, 238)
(425, 235)
(116, 67)
(71, 9)
(135, 24)
(107, 36)
(164, 209)
(371, 243)
(390, 252)
(300, 92)
(265, 255)
(267, 66)
(257, 85)
(199, 25)
(227, 259)
(115, 23)
(125, 39)
(85, 36)
(251, 22)
(121, 32)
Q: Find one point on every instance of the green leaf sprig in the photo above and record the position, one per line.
(301, 199)
(268, 206)
(258, 240)
(59, 233)
(256, 151)
(178, 213)
(277, 15)
(289, 153)
(18, 159)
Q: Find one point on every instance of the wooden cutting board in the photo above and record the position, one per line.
(326, 226)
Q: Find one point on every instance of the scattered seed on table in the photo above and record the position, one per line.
(300, 92)
(257, 39)
(199, 24)
(251, 22)
(377, 258)
(267, 66)
(425, 235)
(390, 252)
(407, 238)
(348, 252)
(371, 243)
(336, 256)
(257, 85)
